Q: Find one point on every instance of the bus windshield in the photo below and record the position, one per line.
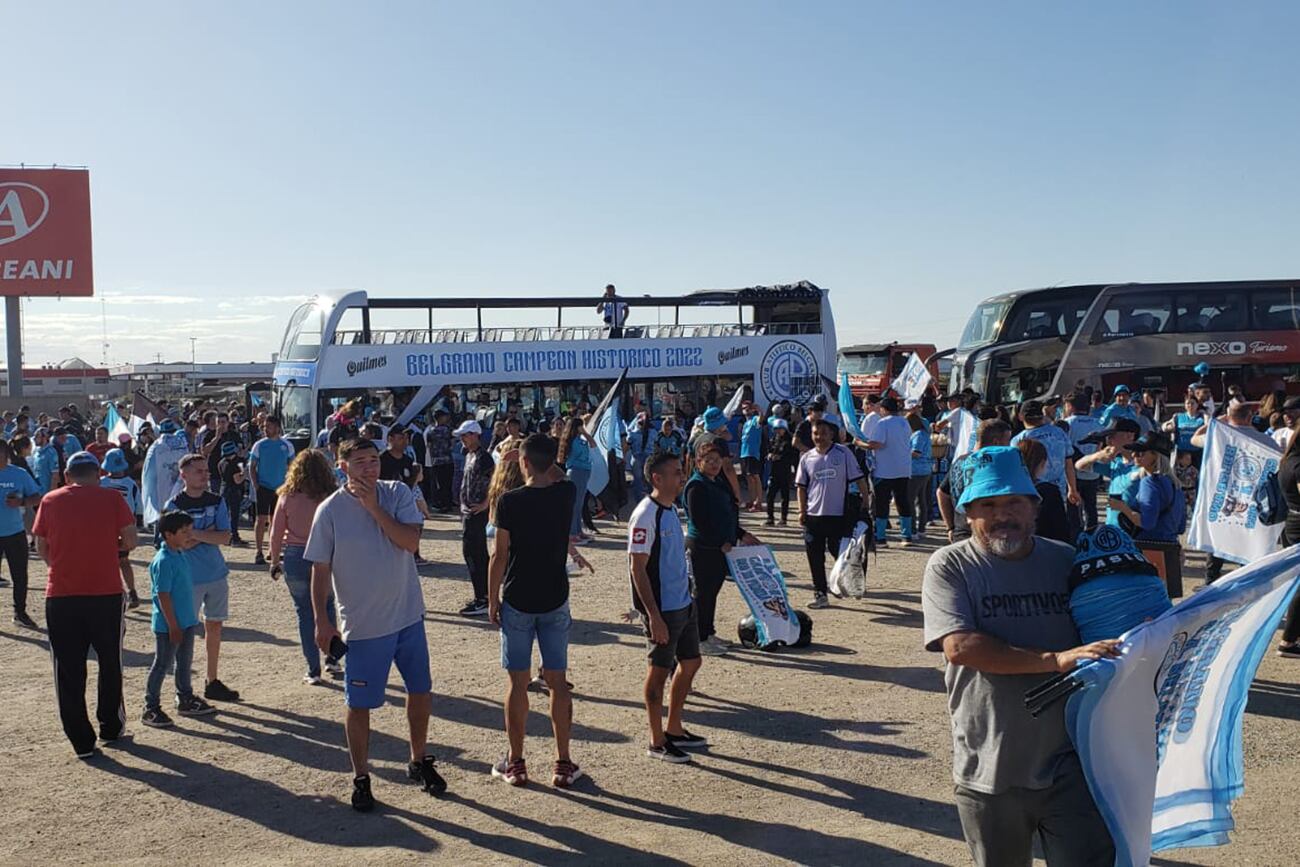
(295, 411)
(982, 328)
(302, 339)
(872, 364)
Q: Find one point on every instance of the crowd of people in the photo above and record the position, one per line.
(340, 523)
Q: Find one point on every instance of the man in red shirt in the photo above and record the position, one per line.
(79, 531)
(101, 445)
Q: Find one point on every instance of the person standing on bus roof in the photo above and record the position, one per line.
(268, 463)
(474, 483)
(613, 312)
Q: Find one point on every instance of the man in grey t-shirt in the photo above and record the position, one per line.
(997, 605)
(363, 541)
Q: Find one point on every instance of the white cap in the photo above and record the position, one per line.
(467, 427)
(911, 403)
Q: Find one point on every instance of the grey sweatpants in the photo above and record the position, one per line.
(1000, 828)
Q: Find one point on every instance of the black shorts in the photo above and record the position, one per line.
(751, 467)
(683, 638)
(265, 501)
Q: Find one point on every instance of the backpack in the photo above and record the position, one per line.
(1270, 505)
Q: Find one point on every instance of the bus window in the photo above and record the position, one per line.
(1276, 310)
(1046, 316)
(1133, 314)
(866, 364)
(1209, 311)
(982, 328)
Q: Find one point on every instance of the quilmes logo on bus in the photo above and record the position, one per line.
(789, 372)
(368, 362)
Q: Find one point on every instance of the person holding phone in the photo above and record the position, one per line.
(362, 543)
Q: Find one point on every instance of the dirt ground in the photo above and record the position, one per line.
(838, 754)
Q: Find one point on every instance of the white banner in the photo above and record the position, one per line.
(912, 380)
(763, 588)
(962, 427)
(1158, 729)
(1226, 522)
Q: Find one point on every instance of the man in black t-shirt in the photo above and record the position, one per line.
(230, 470)
(396, 465)
(528, 595)
(211, 445)
(803, 439)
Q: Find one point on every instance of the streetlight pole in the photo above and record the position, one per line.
(193, 366)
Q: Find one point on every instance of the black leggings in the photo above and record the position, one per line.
(821, 535)
(14, 549)
(898, 489)
(779, 484)
(1291, 625)
(709, 565)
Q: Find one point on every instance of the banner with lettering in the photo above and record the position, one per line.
(912, 380)
(1226, 521)
(1158, 729)
(762, 586)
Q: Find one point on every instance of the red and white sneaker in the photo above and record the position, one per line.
(566, 774)
(515, 773)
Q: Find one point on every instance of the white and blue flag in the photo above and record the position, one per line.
(1226, 522)
(912, 380)
(1158, 729)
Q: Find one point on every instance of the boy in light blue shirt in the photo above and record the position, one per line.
(175, 622)
(751, 456)
(17, 491)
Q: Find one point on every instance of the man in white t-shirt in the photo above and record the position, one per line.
(362, 543)
(613, 312)
(891, 442)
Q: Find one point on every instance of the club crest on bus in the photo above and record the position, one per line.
(789, 372)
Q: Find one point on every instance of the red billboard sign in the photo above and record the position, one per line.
(45, 232)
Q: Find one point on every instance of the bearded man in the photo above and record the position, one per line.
(998, 606)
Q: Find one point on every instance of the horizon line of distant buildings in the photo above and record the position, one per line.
(77, 377)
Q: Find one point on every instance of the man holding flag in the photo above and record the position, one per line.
(997, 606)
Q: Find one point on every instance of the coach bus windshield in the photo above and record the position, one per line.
(302, 339)
(866, 364)
(982, 328)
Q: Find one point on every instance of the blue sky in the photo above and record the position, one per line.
(912, 157)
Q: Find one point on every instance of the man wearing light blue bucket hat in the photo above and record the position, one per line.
(998, 606)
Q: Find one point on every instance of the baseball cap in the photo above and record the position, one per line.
(714, 418)
(114, 461)
(1121, 389)
(82, 459)
(1118, 425)
(819, 403)
(1032, 409)
(1292, 404)
(467, 427)
(228, 448)
(995, 471)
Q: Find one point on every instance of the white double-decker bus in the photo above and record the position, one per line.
(549, 355)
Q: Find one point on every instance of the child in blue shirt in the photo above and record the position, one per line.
(175, 622)
(117, 479)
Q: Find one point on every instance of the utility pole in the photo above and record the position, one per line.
(14, 337)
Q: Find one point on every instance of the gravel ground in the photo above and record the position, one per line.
(838, 754)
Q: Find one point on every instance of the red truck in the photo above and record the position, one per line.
(873, 366)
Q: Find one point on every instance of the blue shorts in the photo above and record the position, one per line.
(369, 660)
(551, 629)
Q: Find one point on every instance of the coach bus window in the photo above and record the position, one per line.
(295, 411)
(1132, 315)
(982, 328)
(1276, 310)
(1046, 315)
(1209, 311)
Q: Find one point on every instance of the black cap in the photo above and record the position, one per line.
(1119, 425)
(819, 403)
(873, 398)
(1292, 404)
(1032, 409)
(889, 404)
(1152, 442)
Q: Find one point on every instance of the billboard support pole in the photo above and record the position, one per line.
(14, 342)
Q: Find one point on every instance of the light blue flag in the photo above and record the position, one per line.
(609, 432)
(1158, 729)
(847, 412)
(116, 427)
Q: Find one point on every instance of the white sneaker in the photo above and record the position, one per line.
(311, 679)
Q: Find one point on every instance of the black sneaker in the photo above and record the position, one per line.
(237, 542)
(23, 619)
(426, 774)
(476, 608)
(1290, 651)
(259, 560)
(193, 706)
(156, 717)
(133, 599)
(218, 691)
(362, 800)
(686, 740)
(668, 753)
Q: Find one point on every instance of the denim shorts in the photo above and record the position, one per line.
(369, 660)
(212, 600)
(551, 628)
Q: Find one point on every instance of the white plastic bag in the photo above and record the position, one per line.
(849, 574)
